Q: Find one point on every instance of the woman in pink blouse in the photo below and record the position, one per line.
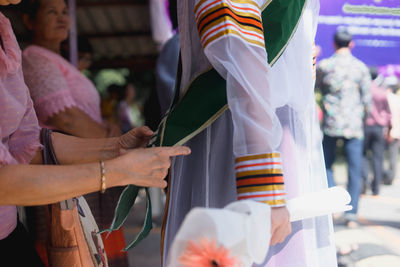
(66, 101)
(23, 183)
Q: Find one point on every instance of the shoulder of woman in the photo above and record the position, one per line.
(34, 53)
(36, 60)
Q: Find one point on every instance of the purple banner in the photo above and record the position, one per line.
(374, 24)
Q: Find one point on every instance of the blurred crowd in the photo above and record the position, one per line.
(360, 107)
(119, 107)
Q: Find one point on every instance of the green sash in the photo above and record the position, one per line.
(205, 100)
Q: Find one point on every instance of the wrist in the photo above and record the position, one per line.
(110, 148)
(114, 174)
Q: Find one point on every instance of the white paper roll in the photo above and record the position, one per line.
(331, 200)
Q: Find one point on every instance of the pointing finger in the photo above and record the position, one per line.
(177, 151)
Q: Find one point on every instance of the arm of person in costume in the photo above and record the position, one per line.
(54, 103)
(38, 184)
(232, 36)
(238, 54)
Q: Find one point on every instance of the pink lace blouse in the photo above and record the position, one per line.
(55, 84)
(19, 130)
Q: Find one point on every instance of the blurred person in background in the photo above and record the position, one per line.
(344, 82)
(166, 69)
(128, 112)
(393, 135)
(66, 101)
(377, 122)
(109, 103)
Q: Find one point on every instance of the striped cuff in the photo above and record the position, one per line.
(259, 177)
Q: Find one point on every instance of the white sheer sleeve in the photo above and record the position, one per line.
(232, 37)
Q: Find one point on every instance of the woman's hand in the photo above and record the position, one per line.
(145, 166)
(280, 225)
(113, 130)
(135, 138)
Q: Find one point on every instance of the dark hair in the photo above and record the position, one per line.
(116, 89)
(342, 38)
(30, 7)
(373, 71)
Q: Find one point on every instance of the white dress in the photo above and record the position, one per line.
(268, 134)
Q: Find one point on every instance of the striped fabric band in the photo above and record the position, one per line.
(260, 178)
(240, 18)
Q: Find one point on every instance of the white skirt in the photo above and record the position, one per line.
(206, 178)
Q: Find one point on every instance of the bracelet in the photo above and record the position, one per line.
(103, 177)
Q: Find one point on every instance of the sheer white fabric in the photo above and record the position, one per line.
(250, 96)
(289, 125)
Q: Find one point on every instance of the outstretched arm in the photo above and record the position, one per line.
(38, 184)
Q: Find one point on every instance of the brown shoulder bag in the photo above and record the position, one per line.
(72, 233)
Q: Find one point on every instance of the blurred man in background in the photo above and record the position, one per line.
(345, 85)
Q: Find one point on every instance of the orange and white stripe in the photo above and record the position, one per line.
(260, 178)
(238, 18)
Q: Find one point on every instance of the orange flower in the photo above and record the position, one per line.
(207, 253)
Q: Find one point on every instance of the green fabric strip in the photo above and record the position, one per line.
(181, 123)
(280, 19)
(125, 204)
(147, 224)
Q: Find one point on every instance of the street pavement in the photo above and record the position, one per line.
(375, 242)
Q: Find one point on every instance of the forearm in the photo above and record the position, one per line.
(73, 150)
(77, 123)
(37, 185)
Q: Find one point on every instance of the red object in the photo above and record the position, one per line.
(114, 243)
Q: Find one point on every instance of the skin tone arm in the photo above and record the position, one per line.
(280, 225)
(75, 122)
(37, 184)
(75, 150)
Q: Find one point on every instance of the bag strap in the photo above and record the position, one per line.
(49, 158)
